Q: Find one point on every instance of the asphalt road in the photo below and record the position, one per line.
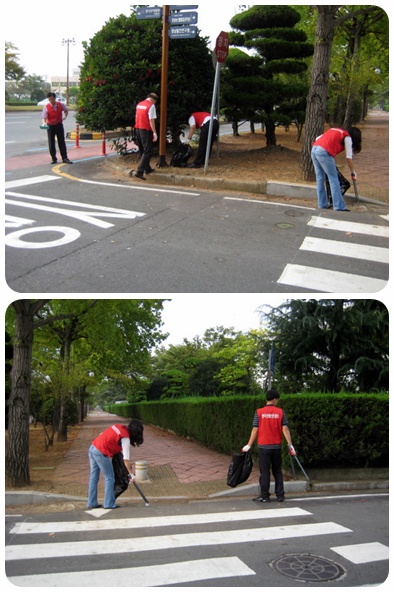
(319, 541)
(78, 229)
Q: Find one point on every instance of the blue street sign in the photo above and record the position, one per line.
(183, 18)
(186, 7)
(184, 32)
(149, 13)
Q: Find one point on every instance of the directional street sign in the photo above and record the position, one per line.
(183, 7)
(183, 32)
(149, 13)
(183, 18)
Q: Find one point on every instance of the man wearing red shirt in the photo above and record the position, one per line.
(145, 129)
(269, 426)
(53, 115)
(201, 120)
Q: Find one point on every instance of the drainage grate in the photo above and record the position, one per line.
(308, 568)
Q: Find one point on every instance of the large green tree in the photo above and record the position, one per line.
(122, 64)
(271, 84)
(330, 345)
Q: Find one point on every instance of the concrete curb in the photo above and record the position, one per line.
(20, 498)
(272, 188)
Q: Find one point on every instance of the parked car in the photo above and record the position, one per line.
(45, 101)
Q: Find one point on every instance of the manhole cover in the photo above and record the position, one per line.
(284, 225)
(308, 568)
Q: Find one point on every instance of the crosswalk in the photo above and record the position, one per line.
(335, 239)
(87, 547)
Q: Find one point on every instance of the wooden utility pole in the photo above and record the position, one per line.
(164, 86)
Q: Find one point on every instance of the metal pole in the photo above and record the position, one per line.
(164, 84)
(215, 90)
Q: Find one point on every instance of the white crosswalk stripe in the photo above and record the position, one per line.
(256, 527)
(333, 280)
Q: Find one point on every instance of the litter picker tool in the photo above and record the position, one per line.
(355, 189)
(301, 467)
(138, 488)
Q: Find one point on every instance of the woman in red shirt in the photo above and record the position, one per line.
(117, 438)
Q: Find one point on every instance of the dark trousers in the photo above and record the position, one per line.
(56, 131)
(203, 143)
(145, 144)
(271, 459)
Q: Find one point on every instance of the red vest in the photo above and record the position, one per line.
(108, 442)
(270, 425)
(142, 115)
(199, 117)
(54, 116)
(332, 140)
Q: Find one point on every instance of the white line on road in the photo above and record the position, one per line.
(175, 541)
(363, 553)
(134, 187)
(146, 577)
(326, 280)
(347, 226)
(31, 181)
(342, 249)
(156, 521)
(269, 203)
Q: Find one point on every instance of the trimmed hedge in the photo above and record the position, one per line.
(328, 430)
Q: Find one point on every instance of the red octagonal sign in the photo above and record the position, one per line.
(221, 47)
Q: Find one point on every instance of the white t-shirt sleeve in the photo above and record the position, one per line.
(126, 448)
(348, 147)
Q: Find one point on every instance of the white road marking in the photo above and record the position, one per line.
(146, 577)
(342, 249)
(31, 181)
(68, 236)
(347, 226)
(175, 541)
(156, 521)
(363, 553)
(326, 280)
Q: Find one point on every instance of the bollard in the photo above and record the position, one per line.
(103, 144)
(77, 136)
(141, 470)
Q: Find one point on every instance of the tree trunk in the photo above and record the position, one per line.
(17, 456)
(317, 96)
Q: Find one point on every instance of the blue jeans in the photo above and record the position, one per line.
(100, 462)
(324, 163)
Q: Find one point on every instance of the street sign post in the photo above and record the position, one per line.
(175, 7)
(221, 53)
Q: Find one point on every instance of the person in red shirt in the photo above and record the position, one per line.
(324, 150)
(53, 115)
(117, 438)
(201, 120)
(145, 130)
(269, 426)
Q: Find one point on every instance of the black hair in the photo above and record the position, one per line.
(51, 94)
(136, 431)
(355, 134)
(272, 394)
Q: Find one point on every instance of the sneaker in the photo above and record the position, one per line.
(94, 507)
(140, 176)
(54, 161)
(261, 500)
(67, 161)
(280, 498)
(113, 508)
(150, 170)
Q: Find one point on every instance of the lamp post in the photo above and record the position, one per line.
(67, 42)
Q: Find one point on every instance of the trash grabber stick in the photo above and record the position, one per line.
(355, 190)
(301, 467)
(292, 467)
(141, 494)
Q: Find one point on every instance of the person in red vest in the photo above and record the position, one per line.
(324, 150)
(53, 115)
(145, 129)
(117, 438)
(269, 426)
(201, 120)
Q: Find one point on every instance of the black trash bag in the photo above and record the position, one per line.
(343, 182)
(181, 155)
(121, 474)
(240, 468)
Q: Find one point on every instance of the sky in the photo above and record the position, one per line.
(40, 42)
(188, 315)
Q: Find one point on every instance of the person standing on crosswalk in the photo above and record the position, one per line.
(117, 438)
(269, 426)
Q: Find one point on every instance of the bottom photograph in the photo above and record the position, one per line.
(197, 440)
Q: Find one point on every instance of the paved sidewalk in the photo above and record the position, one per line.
(178, 469)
